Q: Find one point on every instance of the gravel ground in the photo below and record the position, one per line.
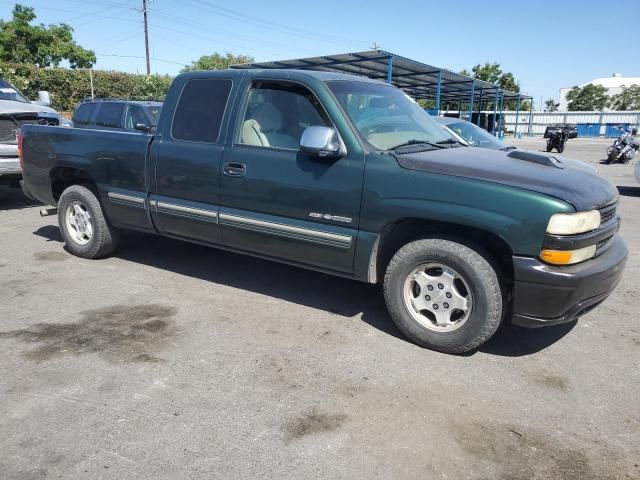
(171, 360)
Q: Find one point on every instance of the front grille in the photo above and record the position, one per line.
(10, 123)
(607, 213)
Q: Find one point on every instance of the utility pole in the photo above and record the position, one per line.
(146, 35)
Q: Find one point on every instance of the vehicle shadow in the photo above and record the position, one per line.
(336, 295)
(12, 198)
(629, 191)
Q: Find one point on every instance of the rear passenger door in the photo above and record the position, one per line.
(185, 193)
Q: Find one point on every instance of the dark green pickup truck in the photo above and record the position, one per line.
(347, 176)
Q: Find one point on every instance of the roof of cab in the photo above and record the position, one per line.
(283, 73)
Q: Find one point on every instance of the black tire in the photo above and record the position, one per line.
(611, 159)
(549, 146)
(484, 284)
(104, 237)
(560, 148)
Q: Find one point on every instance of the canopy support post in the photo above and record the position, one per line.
(479, 108)
(438, 92)
(473, 88)
(389, 69)
(515, 130)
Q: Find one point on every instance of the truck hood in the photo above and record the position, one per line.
(570, 180)
(11, 106)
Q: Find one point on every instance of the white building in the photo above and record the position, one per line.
(613, 83)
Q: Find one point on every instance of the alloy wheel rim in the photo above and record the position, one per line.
(79, 223)
(438, 297)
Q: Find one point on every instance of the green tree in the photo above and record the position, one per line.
(589, 97)
(217, 62)
(550, 105)
(628, 99)
(491, 72)
(41, 45)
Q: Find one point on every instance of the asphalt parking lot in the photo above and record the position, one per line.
(171, 360)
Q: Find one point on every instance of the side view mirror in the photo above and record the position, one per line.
(321, 142)
(44, 98)
(143, 127)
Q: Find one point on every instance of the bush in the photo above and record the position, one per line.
(69, 86)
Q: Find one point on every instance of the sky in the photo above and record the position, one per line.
(546, 45)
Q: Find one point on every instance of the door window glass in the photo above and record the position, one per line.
(110, 115)
(82, 115)
(277, 113)
(134, 116)
(200, 110)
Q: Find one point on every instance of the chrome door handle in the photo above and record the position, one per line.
(234, 169)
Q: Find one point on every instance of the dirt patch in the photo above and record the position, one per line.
(521, 453)
(312, 423)
(557, 382)
(118, 333)
(145, 358)
(50, 256)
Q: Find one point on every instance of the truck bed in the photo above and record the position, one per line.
(48, 151)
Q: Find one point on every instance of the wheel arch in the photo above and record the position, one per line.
(63, 177)
(396, 234)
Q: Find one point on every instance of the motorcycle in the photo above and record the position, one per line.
(623, 149)
(557, 139)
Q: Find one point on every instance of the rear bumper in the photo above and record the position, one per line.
(10, 166)
(548, 295)
(10, 171)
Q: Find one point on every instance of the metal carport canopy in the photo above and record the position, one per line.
(417, 79)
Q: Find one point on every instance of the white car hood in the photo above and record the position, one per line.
(11, 106)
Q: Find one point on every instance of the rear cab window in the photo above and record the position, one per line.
(82, 115)
(110, 115)
(200, 109)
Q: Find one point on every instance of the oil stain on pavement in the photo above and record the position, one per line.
(311, 423)
(50, 256)
(522, 453)
(120, 333)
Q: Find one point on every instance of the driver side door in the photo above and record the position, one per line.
(279, 202)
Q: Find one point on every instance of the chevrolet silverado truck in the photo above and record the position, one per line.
(16, 110)
(347, 176)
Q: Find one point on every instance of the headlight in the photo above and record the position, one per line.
(568, 257)
(66, 123)
(573, 223)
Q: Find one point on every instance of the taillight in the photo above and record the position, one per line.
(19, 140)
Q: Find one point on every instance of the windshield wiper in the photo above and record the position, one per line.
(452, 142)
(506, 149)
(408, 143)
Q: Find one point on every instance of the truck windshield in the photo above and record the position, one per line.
(9, 92)
(385, 116)
(476, 136)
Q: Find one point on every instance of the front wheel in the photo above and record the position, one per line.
(611, 158)
(443, 295)
(549, 146)
(560, 148)
(86, 231)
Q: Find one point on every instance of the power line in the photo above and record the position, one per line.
(245, 18)
(140, 56)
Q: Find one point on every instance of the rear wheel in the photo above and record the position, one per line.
(86, 231)
(443, 295)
